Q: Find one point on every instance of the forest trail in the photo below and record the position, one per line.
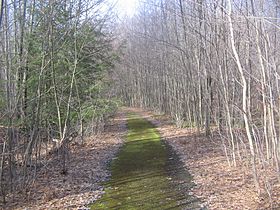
(146, 173)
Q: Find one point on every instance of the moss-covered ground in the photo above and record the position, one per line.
(143, 173)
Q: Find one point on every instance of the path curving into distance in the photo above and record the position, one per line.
(146, 174)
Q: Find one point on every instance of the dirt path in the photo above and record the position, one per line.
(146, 174)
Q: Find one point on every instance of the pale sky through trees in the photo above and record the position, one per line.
(127, 7)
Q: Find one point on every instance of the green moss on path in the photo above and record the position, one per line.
(141, 174)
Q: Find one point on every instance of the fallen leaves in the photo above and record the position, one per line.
(218, 185)
(87, 168)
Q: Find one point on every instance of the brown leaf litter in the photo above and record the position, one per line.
(218, 185)
(87, 168)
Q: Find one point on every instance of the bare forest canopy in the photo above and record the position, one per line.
(212, 65)
(56, 59)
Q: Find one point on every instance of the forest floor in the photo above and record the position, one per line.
(218, 185)
(87, 169)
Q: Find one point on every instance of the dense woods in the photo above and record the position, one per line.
(213, 66)
(56, 58)
(66, 66)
